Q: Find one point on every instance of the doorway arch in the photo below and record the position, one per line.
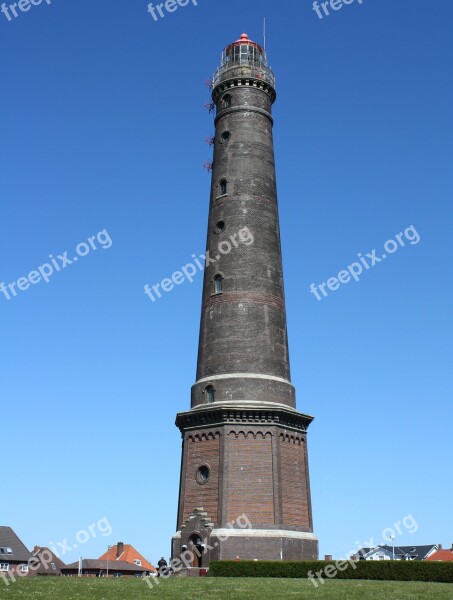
(197, 549)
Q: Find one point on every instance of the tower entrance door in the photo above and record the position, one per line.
(197, 549)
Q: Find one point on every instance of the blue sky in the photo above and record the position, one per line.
(103, 127)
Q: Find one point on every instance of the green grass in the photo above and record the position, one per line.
(38, 588)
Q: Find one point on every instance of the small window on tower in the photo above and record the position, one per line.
(210, 394)
(203, 474)
(218, 284)
(223, 187)
(220, 227)
(227, 101)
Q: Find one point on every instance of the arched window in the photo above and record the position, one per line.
(210, 394)
(227, 101)
(223, 187)
(218, 284)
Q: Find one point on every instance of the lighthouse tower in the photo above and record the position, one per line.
(244, 488)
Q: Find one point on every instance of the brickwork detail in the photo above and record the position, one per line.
(295, 503)
(202, 449)
(250, 476)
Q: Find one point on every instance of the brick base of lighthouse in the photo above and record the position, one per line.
(255, 501)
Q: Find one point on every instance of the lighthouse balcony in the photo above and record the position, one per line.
(244, 70)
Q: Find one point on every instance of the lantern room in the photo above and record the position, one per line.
(244, 51)
(244, 59)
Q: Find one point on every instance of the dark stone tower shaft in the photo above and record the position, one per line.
(243, 330)
(244, 444)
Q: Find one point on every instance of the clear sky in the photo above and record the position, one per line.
(103, 127)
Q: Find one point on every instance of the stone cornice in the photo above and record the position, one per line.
(241, 81)
(215, 416)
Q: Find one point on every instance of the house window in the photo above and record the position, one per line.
(210, 394)
(218, 284)
(138, 562)
(223, 188)
(24, 568)
(4, 567)
(9, 551)
(53, 565)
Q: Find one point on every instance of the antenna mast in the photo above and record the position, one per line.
(264, 33)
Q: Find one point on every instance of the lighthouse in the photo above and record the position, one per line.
(244, 487)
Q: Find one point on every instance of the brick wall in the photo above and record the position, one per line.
(202, 449)
(295, 500)
(249, 473)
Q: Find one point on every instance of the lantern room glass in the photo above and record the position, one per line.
(240, 54)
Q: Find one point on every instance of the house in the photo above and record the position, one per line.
(401, 552)
(14, 556)
(361, 554)
(127, 553)
(45, 562)
(441, 554)
(103, 568)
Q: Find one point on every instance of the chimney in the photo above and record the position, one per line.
(452, 547)
(119, 549)
(439, 547)
(328, 557)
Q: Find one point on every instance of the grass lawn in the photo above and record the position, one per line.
(63, 588)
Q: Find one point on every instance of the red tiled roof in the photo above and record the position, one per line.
(128, 555)
(445, 555)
